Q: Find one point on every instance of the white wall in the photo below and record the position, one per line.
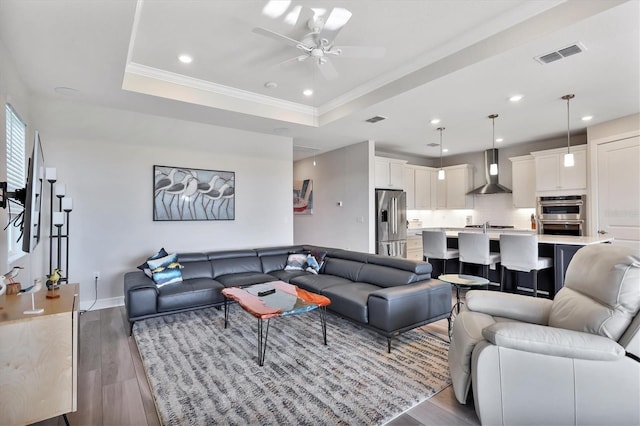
(339, 175)
(106, 158)
(14, 92)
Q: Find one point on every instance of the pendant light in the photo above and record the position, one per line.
(568, 157)
(493, 168)
(441, 171)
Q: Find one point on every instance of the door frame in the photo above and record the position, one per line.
(592, 178)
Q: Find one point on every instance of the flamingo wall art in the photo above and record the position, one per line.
(303, 196)
(181, 193)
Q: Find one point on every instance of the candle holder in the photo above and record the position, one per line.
(59, 219)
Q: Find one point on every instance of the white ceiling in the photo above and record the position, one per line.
(456, 60)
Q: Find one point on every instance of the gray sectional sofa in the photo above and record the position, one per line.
(389, 295)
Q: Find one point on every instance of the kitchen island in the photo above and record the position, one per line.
(560, 248)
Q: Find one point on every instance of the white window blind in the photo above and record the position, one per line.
(16, 177)
(16, 137)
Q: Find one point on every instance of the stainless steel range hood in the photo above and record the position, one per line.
(492, 186)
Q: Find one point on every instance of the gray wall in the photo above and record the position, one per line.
(343, 175)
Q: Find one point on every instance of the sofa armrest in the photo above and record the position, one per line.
(553, 341)
(140, 295)
(403, 307)
(518, 307)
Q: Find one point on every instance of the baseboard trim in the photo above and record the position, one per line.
(111, 302)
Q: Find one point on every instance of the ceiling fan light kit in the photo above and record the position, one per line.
(318, 44)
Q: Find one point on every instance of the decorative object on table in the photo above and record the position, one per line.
(59, 219)
(52, 284)
(12, 287)
(36, 287)
(355, 382)
(193, 194)
(303, 196)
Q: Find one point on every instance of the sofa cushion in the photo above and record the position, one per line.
(350, 300)
(386, 277)
(189, 293)
(244, 278)
(348, 269)
(238, 265)
(287, 276)
(318, 283)
(273, 262)
(418, 268)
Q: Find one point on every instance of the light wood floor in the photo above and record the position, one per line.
(113, 389)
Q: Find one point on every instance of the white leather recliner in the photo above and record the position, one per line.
(573, 360)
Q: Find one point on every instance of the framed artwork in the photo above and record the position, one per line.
(181, 194)
(303, 196)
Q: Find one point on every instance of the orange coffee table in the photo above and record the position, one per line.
(281, 299)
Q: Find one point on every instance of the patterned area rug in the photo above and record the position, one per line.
(202, 374)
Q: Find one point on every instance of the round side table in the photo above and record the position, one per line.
(461, 281)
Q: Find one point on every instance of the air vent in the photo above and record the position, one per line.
(376, 119)
(433, 144)
(560, 53)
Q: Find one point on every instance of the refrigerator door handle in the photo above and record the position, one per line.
(394, 201)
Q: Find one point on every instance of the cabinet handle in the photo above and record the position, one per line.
(602, 232)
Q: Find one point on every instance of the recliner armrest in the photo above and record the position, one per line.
(552, 341)
(514, 306)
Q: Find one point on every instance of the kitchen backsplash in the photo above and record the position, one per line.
(496, 208)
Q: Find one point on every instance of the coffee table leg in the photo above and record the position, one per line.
(323, 321)
(226, 313)
(262, 341)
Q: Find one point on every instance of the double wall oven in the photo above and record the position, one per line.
(563, 215)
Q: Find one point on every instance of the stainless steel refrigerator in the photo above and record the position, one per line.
(391, 223)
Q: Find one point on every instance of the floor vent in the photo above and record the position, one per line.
(376, 119)
(560, 53)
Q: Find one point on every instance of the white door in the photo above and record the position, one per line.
(618, 189)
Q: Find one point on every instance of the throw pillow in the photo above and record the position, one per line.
(165, 270)
(319, 256)
(145, 266)
(296, 262)
(313, 265)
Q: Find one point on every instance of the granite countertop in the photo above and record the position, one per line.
(494, 234)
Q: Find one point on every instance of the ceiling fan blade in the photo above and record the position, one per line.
(328, 71)
(295, 59)
(303, 17)
(275, 36)
(360, 51)
(337, 19)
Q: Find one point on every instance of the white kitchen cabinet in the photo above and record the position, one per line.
(389, 173)
(552, 176)
(414, 247)
(409, 186)
(523, 185)
(451, 193)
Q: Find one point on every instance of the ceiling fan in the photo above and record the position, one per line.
(318, 43)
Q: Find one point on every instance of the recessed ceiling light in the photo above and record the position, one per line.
(445, 149)
(271, 85)
(499, 140)
(587, 117)
(185, 59)
(307, 92)
(515, 98)
(435, 121)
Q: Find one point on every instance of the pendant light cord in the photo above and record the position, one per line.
(440, 129)
(568, 98)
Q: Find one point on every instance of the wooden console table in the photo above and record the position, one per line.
(38, 356)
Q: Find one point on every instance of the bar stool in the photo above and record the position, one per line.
(520, 253)
(434, 246)
(474, 248)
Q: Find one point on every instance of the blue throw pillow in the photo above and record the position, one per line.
(165, 270)
(144, 267)
(296, 262)
(313, 265)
